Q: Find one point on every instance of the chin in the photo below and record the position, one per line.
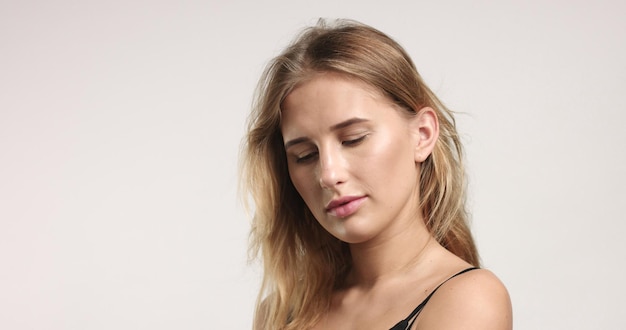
(354, 237)
(351, 230)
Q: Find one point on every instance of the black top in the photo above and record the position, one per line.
(407, 323)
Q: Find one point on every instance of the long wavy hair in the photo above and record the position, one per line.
(302, 262)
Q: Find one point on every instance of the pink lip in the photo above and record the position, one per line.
(345, 206)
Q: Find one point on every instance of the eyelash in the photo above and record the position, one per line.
(305, 158)
(347, 143)
(354, 142)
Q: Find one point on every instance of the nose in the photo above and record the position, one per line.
(332, 169)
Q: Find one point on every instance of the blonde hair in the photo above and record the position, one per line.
(302, 262)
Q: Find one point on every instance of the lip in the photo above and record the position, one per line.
(345, 206)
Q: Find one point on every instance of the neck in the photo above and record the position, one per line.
(396, 255)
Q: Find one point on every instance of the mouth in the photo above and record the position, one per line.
(345, 206)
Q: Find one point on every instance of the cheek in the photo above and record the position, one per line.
(391, 161)
(303, 181)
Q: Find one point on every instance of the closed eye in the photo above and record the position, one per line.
(306, 158)
(354, 142)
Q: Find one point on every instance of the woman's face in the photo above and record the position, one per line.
(353, 157)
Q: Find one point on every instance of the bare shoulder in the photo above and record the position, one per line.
(472, 300)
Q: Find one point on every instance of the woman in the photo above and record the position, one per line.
(355, 169)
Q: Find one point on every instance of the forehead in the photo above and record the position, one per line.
(325, 82)
(327, 98)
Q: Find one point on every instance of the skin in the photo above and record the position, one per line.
(346, 142)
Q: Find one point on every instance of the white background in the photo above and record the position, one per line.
(120, 123)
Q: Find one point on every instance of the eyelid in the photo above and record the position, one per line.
(301, 154)
(307, 157)
(354, 141)
(350, 140)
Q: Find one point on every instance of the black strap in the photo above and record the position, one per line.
(408, 322)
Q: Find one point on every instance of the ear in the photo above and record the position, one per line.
(425, 130)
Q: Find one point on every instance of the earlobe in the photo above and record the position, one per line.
(426, 131)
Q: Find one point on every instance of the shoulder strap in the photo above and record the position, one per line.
(408, 322)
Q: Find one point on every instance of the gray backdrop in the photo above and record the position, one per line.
(120, 123)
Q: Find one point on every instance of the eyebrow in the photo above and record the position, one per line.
(343, 124)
